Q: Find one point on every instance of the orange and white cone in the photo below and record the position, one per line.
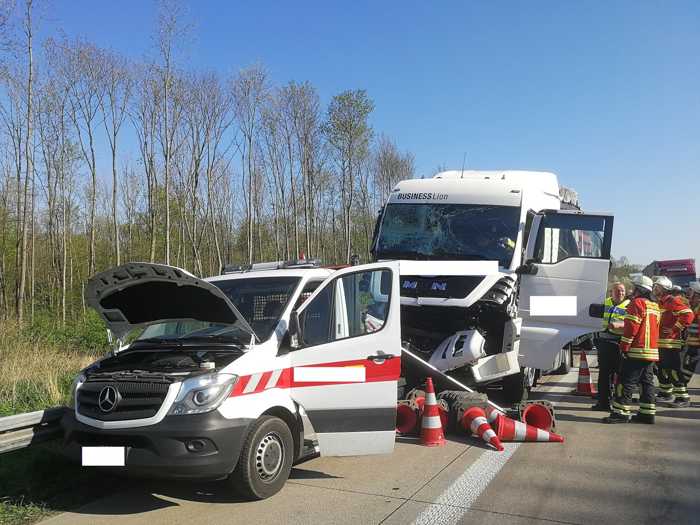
(584, 386)
(406, 418)
(431, 433)
(508, 429)
(474, 420)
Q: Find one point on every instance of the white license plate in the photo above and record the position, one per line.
(103, 456)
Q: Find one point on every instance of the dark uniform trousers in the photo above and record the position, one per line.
(689, 362)
(608, 366)
(634, 372)
(671, 377)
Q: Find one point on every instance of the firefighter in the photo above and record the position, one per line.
(676, 316)
(607, 341)
(691, 353)
(638, 352)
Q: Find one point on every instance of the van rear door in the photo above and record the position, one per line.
(346, 368)
(563, 282)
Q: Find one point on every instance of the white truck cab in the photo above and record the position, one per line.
(496, 278)
(241, 374)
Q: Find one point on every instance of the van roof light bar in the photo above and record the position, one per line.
(271, 265)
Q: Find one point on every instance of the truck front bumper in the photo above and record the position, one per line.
(200, 446)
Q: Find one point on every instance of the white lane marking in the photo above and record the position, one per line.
(554, 305)
(454, 503)
(311, 374)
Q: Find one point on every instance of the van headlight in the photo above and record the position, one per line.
(202, 394)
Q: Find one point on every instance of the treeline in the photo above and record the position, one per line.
(104, 160)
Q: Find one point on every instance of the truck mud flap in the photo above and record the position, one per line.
(417, 370)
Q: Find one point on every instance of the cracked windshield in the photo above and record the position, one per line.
(449, 232)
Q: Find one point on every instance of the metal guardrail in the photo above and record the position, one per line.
(23, 430)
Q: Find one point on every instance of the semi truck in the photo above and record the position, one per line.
(480, 252)
(680, 271)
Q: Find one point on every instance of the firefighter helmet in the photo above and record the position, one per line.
(642, 282)
(664, 282)
(695, 286)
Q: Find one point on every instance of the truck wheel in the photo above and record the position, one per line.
(517, 386)
(565, 366)
(265, 460)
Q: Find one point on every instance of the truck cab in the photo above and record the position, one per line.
(240, 375)
(480, 252)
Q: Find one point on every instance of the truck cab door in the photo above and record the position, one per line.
(563, 282)
(348, 360)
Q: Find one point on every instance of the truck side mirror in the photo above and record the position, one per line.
(295, 331)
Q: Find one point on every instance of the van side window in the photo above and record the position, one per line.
(309, 289)
(353, 305)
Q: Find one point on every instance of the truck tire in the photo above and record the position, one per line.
(565, 366)
(266, 459)
(516, 387)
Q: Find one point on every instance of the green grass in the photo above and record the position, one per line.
(40, 360)
(38, 481)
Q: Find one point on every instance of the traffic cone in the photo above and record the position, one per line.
(508, 429)
(406, 419)
(538, 414)
(584, 386)
(431, 433)
(474, 420)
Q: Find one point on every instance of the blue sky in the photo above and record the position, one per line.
(605, 94)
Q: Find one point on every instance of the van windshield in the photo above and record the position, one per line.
(448, 232)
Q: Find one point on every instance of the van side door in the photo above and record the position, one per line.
(348, 361)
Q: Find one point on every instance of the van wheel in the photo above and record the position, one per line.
(265, 460)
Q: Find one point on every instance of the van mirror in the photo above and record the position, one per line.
(295, 332)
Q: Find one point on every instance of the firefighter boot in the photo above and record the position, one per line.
(614, 418)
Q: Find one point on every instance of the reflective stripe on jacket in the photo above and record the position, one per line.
(676, 315)
(614, 312)
(693, 334)
(641, 334)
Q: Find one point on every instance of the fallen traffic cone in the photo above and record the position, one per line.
(538, 414)
(406, 419)
(474, 420)
(508, 429)
(431, 433)
(585, 386)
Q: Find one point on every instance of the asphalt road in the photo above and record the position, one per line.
(602, 473)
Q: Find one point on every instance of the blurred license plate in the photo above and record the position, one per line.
(103, 456)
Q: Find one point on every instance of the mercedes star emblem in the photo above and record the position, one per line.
(108, 398)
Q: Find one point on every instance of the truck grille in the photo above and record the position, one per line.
(135, 399)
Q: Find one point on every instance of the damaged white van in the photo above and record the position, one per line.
(240, 375)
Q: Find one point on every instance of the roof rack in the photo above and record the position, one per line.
(272, 265)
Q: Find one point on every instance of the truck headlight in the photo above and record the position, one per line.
(202, 393)
(79, 380)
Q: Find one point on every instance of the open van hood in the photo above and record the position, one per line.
(139, 294)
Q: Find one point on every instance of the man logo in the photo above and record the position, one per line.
(410, 285)
(437, 286)
(108, 399)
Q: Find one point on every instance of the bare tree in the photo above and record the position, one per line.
(349, 135)
(249, 94)
(118, 85)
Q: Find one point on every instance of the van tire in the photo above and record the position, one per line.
(266, 459)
